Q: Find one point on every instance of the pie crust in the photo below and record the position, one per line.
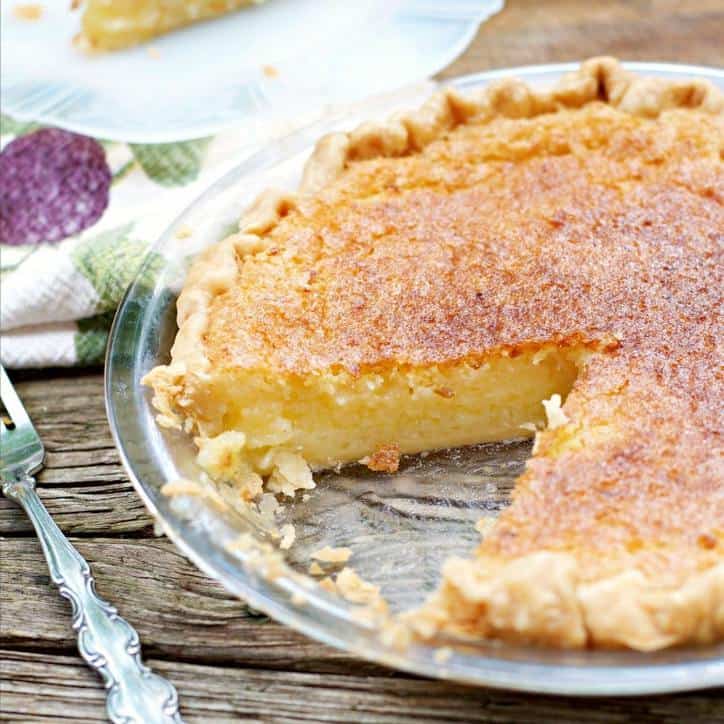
(616, 532)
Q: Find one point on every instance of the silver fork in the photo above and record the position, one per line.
(107, 643)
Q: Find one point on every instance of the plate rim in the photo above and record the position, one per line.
(571, 679)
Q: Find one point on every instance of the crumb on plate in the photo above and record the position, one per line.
(332, 555)
(355, 589)
(315, 569)
(28, 11)
(386, 459)
(288, 536)
(485, 525)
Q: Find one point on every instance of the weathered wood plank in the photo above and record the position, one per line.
(228, 694)
(177, 611)
(528, 32)
(100, 509)
(83, 484)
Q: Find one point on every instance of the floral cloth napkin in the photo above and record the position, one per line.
(57, 300)
(78, 215)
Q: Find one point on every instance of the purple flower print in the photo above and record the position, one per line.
(53, 184)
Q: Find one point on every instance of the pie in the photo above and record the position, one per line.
(115, 24)
(512, 263)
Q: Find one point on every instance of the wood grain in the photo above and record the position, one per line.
(223, 694)
(528, 32)
(83, 484)
(228, 662)
(178, 612)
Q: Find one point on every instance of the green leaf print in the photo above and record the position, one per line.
(91, 338)
(13, 127)
(110, 261)
(171, 164)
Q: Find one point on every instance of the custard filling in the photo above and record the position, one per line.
(330, 418)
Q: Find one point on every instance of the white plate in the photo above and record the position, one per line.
(202, 79)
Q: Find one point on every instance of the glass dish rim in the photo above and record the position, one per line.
(328, 620)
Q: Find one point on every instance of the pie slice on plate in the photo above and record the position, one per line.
(516, 262)
(115, 24)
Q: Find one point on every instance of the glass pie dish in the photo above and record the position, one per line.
(400, 528)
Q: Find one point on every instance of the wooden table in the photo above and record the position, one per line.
(228, 662)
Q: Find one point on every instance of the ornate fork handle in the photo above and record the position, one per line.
(107, 642)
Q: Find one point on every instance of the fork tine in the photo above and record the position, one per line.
(21, 449)
(12, 401)
(4, 440)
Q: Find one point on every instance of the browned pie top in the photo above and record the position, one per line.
(585, 224)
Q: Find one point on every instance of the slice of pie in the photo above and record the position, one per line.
(115, 24)
(448, 277)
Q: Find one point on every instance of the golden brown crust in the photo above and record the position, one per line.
(598, 79)
(615, 535)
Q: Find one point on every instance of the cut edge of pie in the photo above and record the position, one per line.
(544, 596)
